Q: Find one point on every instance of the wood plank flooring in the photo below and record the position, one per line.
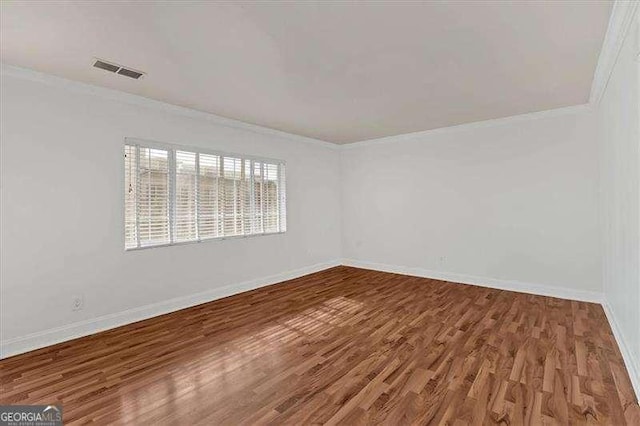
(342, 346)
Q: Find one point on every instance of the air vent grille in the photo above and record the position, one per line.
(130, 73)
(117, 69)
(105, 66)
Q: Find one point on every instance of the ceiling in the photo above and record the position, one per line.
(336, 71)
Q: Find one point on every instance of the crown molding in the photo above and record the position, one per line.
(620, 21)
(574, 109)
(128, 98)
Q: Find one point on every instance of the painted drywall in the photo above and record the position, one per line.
(507, 201)
(62, 208)
(619, 119)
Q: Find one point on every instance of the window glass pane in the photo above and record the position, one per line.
(258, 190)
(185, 204)
(270, 194)
(282, 194)
(180, 196)
(245, 197)
(232, 196)
(130, 185)
(153, 197)
(210, 208)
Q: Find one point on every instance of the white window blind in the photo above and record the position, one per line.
(176, 195)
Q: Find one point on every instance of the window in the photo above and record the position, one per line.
(176, 195)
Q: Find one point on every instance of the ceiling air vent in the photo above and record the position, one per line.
(130, 73)
(118, 69)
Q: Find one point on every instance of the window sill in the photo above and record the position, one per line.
(205, 240)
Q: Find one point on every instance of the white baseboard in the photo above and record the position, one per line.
(52, 336)
(538, 289)
(632, 364)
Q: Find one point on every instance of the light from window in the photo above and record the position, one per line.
(175, 196)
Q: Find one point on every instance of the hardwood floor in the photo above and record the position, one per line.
(346, 346)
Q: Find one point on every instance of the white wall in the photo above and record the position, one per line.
(509, 201)
(619, 113)
(62, 200)
(498, 202)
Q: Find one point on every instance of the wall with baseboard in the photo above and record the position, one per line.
(501, 284)
(619, 119)
(509, 203)
(62, 207)
(513, 200)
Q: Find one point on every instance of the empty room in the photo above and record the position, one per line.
(320, 212)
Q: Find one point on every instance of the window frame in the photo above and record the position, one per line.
(172, 148)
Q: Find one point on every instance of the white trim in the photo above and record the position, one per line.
(11, 347)
(620, 21)
(171, 201)
(574, 109)
(116, 95)
(128, 98)
(149, 143)
(76, 330)
(633, 367)
(500, 284)
(171, 150)
(204, 240)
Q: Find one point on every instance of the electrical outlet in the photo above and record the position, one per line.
(77, 303)
(442, 259)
